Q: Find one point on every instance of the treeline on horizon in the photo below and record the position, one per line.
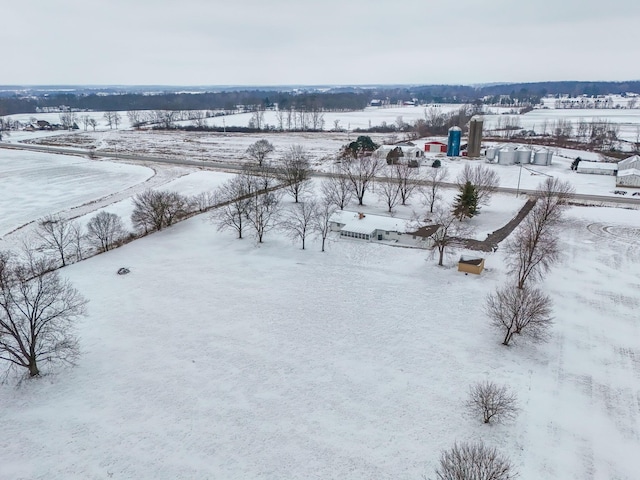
(331, 99)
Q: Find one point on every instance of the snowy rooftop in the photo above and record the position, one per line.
(631, 162)
(597, 165)
(629, 171)
(367, 223)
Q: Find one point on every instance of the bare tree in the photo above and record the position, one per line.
(105, 229)
(38, 310)
(135, 118)
(317, 119)
(56, 235)
(78, 237)
(337, 189)
(85, 121)
(436, 178)
(407, 181)
(485, 180)
(116, 119)
(5, 127)
(533, 249)
(236, 197)
(299, 221)
(108, 117)
(360, 172)
(389, 188)
(198, 118)
(68, 119)
(435, 118)
(321, 224)
(93, 123)
(525, 311)
(203, 201)
(165, 118)
(154, 210)
(450, 232)
(260, 150)
(257, 119)
(493, 402)
(295, 171)
(264, 212)
(474, 461)
(280, 118)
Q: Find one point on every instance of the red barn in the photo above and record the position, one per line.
(435, 147)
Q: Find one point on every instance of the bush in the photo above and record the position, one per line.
(492, 402)
(474, 461)
(436, 163)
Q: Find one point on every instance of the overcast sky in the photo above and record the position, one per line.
(311, 42)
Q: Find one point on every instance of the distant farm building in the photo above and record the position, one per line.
(597, 168)
(435, 147)
(401, 153)
(629, 172)
(471, 265)
(378, 228)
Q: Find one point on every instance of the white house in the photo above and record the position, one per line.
(378, 228)
(629, 172)
(597, 168)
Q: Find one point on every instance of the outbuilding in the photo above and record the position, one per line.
(471, 265)
(597, 168)
(435, 147)
(629, 172)
(410, 153)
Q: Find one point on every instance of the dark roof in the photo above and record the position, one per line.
(425, 231)
(472, 261)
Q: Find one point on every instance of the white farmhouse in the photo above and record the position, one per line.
(378, 228)
(629, 172)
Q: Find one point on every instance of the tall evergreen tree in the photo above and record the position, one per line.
(466, 204)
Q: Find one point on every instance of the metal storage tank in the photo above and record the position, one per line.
(453, 143)
(523, 156)
(549, 157)
(542, 157)
(491, 153)
(506, 156)
(539, 158)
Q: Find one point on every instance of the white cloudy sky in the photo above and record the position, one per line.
(284, 42)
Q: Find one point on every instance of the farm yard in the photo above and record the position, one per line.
(224, 358)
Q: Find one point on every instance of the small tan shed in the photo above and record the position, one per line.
(471, 265)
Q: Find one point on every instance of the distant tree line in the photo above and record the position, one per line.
(343, 98)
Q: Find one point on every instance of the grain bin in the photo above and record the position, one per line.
(453, 143)
(491, 153)
(523, 156)
(507, 156)
(542, 157)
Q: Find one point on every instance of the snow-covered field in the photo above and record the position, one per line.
(34, 184)
(217, 358)
(540, 120)
(39, 184)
